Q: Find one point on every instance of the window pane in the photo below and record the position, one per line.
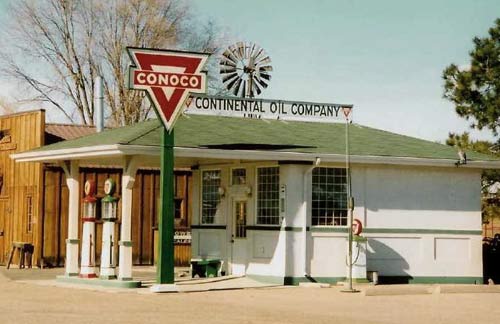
(268, 196)
(329, 197)
(239, 176)
(210, 196)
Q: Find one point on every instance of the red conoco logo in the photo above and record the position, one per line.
(163, 79)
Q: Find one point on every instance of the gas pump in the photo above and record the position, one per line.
(87, 269)
(109, 206)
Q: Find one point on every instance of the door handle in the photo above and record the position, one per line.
(1, 233)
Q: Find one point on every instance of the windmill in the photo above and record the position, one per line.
(245, 69)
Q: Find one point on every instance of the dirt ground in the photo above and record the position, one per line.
(27, 302)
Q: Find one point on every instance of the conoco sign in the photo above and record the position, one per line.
(168, 77)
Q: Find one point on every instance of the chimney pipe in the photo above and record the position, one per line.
(99, 104)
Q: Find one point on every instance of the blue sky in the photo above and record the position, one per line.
(385, 57)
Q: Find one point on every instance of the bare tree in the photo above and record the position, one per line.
(57, 47)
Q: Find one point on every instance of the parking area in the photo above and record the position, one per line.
(24, 300)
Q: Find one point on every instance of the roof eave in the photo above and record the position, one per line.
(120, 149)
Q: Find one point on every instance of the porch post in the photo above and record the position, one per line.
(125, 259)
(72, 181)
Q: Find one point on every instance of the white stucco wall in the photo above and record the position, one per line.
(419, 221)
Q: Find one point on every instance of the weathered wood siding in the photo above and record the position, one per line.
(21, 183)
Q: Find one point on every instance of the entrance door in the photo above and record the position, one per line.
(238, 238)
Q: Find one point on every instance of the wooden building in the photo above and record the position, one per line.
(34, 196)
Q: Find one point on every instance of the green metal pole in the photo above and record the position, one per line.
(165, 265)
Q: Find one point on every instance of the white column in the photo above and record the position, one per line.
(88, 250)
(108, 262)
(125, 260)
(72, 175)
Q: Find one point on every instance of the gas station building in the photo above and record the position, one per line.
(269, 197)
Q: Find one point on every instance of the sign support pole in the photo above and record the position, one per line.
(350, 210)
(165, 266)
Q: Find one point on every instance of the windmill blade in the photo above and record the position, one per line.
(227, 70)
(261, 82)
(264, 60)
(258, 54)
(229, 77)
(244, 88)
(241, 49)
(267, 68)
(229, 56)
(237, 87)
(227, 62)
(235, 83)
(256, 86)
(265, 76)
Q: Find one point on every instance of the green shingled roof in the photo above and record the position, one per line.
(252, 134)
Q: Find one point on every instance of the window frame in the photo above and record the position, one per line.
(257, 195)
(333, 216)
(28, 200)
(201, 219)
(231, 176)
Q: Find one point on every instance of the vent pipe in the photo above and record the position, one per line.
(99, 104)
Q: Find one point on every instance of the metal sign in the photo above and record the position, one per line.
(168, 77)
(266, 109)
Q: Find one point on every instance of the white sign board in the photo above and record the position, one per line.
(266, 109)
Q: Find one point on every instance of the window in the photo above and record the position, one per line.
(329, 197)
(210, 196)
(240, 214)
(268, 181)
(239, 177)
(29, 213)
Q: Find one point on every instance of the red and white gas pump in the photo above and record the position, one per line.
(87, 269)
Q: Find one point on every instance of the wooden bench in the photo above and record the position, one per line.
(205, 268)
(25, 253)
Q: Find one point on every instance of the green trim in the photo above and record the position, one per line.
(267, 279)
(329, 229)
(429, 280)
(293, 229)
(295, 281)
(71, 274)
(264, 228)
(421, 231)
(448, 280)
(99, 282)
(72, 241)
(357, 238)
(109, 219)
(208, 227)
(110, 277)
(320, 229)
(109, 199)
(286, 162)
(125, 243)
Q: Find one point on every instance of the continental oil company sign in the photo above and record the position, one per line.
(266, 109)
